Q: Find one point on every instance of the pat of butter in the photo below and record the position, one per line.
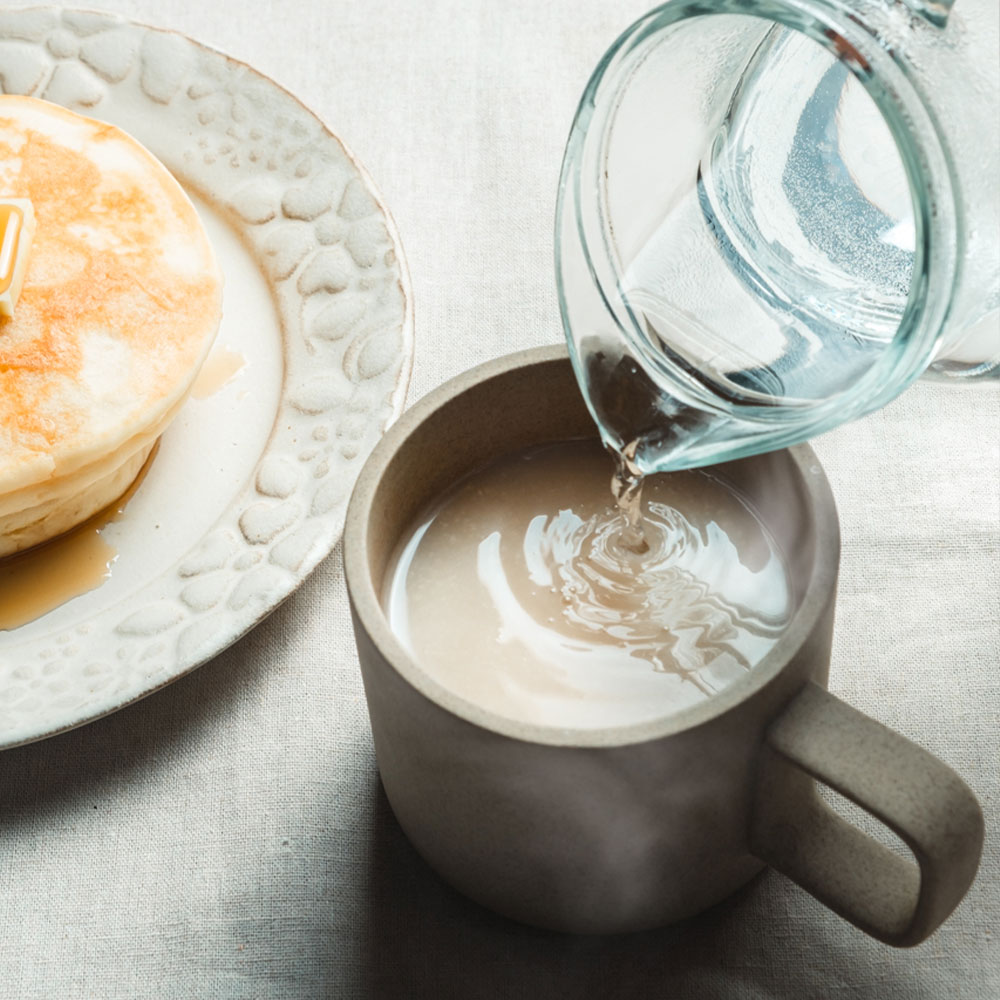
(17, 227)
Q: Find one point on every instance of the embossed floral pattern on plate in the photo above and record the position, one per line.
(316, 228)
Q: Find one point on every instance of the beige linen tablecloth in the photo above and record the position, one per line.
(227, 837)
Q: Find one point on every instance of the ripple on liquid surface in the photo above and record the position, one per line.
(517, 593)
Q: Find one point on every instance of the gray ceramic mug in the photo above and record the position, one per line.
(636, 826)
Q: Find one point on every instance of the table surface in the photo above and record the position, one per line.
(227, 837)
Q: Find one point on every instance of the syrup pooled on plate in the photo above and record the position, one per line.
(37, 580)
(526, 591)
(221, 367)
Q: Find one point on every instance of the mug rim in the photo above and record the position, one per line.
(368, 610)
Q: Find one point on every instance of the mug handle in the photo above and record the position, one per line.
(818, 737)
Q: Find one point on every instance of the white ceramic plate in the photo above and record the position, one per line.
(249, 489)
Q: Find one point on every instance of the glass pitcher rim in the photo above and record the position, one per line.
(889, 81)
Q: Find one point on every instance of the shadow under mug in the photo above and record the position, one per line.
(631, 827)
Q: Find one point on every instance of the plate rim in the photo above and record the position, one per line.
(396, 400)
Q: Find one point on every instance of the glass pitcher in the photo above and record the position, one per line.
(774, 215)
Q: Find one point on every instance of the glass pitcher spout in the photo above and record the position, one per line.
(773, 216)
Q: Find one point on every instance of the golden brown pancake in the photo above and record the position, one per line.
(120, 303)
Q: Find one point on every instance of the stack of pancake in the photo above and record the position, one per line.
(120, 304)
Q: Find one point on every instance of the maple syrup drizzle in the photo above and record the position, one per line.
(220, 367)
(36, 581)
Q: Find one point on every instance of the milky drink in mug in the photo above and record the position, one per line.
(562, 621)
